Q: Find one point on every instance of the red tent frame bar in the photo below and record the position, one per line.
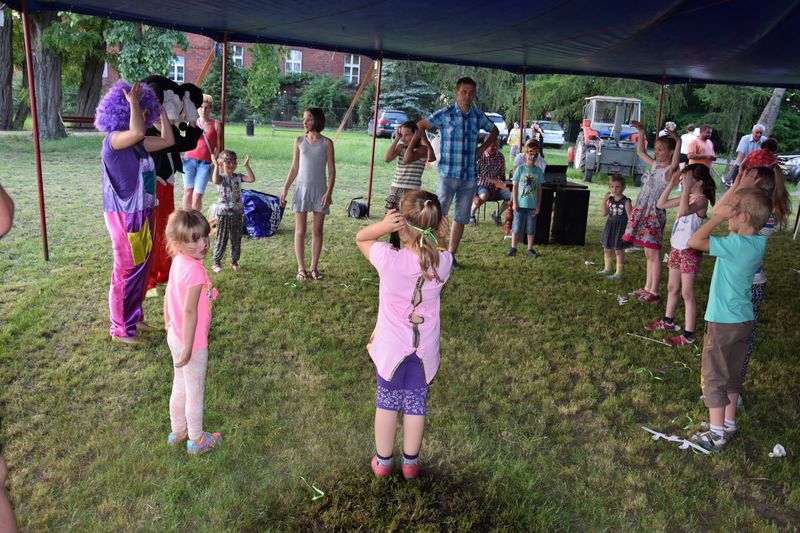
(374, 133)
(37, 150)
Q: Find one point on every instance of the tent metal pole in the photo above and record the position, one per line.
(222, 92)
(26, 34)
(660, 106)
(374, 132)
(522, 115)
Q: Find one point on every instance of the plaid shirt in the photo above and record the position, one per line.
(491, 167)
(459, 136)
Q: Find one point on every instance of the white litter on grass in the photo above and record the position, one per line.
(795, 270)
(622, 300)
(588, 263)
(684, 444)
(646, 338)
(778, 451)
(633, 249)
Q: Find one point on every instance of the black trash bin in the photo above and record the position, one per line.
(251, 127)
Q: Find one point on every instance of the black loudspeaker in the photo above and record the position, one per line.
(356, 208)
(570, 213)
(543, 218)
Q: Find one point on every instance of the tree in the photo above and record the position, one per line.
(235, 87)
(47, 73)
(770, 113)
(263, 81)
(81, 41)
(142, 50)
(332, 95)
(6, 71)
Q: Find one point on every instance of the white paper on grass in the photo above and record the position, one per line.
(685, 444)
(778, 451)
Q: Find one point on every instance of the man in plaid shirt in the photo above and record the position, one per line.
(458, 126)
(491, 173)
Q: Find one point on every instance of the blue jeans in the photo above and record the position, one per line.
(196, 174)
(524, 218)
(463, 191)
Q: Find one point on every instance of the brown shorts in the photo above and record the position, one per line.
(724, 353)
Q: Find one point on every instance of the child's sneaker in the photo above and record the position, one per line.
(663, 326)
(511, 252)
(616, 277)
(678, 340)
(380, 470)
(532, 252)
(730, 432)
(411, 471)
(216, 269)
(604, 272)
(173, 439)
(204, 444)
(710, 441)
(649, 297)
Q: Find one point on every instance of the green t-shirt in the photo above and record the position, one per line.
(527, 180)
(738, 259)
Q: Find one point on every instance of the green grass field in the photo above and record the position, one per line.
(534, 418)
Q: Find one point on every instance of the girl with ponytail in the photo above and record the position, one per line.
(405, 342)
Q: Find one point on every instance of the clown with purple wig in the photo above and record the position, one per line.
(129, 187)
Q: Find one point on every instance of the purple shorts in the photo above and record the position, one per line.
(407, 391)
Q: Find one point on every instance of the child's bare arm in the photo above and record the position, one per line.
(366, 237)
(538, 199)
(664, 200)
(250, 178)
(292, 172)
(135, 132)
(430, 153)
(167, 138)
(394, 148)
(189, 323)
(328, 198)
(604, 204)
(676, 153)
(640, 151)
(688, 206)
(215, 172)
(628, 209)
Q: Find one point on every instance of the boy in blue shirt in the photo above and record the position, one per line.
(729, 314)
(526, 198)
(458, 126)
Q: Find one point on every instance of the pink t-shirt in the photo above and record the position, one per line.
(701, 147)
(188, 272)
(393, 337)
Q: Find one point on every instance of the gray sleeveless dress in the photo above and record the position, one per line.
(311, 183)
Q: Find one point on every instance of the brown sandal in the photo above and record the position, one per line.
(301, 275)
(316, 275)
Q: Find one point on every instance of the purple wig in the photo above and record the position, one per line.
(114, 112)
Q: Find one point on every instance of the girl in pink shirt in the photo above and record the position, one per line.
(405, 343)
(187, 318)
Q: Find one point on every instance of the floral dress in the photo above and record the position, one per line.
(646, 225)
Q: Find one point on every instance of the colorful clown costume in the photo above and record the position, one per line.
(128, 200)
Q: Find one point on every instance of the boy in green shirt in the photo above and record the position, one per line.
(526, 198)
(729, 314)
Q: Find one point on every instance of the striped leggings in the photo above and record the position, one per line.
(228, 226)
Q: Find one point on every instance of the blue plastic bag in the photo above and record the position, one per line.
(262, 213)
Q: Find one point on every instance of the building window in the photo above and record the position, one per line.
(352, 68)
(238, 55)
(294, 61)
(176, 69)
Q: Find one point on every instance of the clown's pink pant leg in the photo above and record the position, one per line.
(132, 243)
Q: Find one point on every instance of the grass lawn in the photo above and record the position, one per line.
(534, 418)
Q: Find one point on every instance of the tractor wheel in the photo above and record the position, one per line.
(587, 175)
(580, 153)
(637, 180)
(587, 172)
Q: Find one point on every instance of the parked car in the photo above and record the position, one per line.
(553, 133)
(790, 164)
(388, 120)
(500, 122)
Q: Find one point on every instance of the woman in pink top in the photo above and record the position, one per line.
(197, 163)
(405, 343)
(187, 318)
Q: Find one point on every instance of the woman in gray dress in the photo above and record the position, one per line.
(312, 152)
